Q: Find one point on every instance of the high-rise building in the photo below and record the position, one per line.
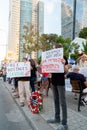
(25, 17)
(73, 17)
(34, 14)
(40, 17)
(14, 29)
(21, 12)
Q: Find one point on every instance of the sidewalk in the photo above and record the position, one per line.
(76, 120)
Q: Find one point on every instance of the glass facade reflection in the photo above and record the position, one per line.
(22, 12)
(40, 17)
(67, 19)
(25, 17)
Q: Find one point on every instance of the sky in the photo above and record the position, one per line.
(52, 21)
(52, 18)
(4, 13)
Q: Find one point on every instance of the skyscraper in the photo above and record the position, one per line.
(73, 17)
(21, 12)
(40, 17)
(34, 14)
(14, 28)
(25, 17)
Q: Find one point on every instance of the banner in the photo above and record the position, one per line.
(51, 61)
(18, 69)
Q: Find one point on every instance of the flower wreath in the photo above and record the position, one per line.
(36, 102)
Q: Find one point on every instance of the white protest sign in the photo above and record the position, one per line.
(83, 70)
(18, 69)
(51, 61)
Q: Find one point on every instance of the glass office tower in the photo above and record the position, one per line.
(22, 12)
(73, 17)
(25, 17)
(40, 17)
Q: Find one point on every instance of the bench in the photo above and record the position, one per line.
(77, 89)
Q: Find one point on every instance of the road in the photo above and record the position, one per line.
(11, 117)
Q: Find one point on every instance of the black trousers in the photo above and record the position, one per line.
(60, 99)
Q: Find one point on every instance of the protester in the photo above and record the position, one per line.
(75, 75)
(58, 82)
(4, 72)
(15, 90)
(82, 61)
(24, 87)
(44, 84)
(4, 75)
(33, 76)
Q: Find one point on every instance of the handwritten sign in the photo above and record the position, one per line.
(18, 69)
(51, 61)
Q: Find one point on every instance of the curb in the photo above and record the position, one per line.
(36, 121)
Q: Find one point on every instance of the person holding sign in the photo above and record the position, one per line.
(24, 87)
(58, 82)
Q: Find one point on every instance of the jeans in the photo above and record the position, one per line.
(59, 98)
(4, 78)
(32, 83)
(15, 83)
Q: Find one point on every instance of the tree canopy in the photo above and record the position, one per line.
(83, 33)
(34, 42)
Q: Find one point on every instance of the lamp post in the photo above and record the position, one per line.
(74, 18)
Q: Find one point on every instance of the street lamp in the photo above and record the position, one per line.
(74, 19)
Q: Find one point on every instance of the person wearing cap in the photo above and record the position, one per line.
(58, 87)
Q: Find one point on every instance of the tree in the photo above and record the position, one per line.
(30, 39)
(35, 42)
(84, 47)
(83, 33)
(47, 41)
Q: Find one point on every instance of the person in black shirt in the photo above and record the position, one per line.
(33, 74)
(75, 75)
(58, 82)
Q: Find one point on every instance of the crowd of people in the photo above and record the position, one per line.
(24, 86)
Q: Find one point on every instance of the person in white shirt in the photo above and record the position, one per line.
(82, 61)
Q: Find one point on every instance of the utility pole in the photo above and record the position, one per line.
(74, 19)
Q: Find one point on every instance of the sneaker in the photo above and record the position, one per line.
(63, 127)
(53, 120)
